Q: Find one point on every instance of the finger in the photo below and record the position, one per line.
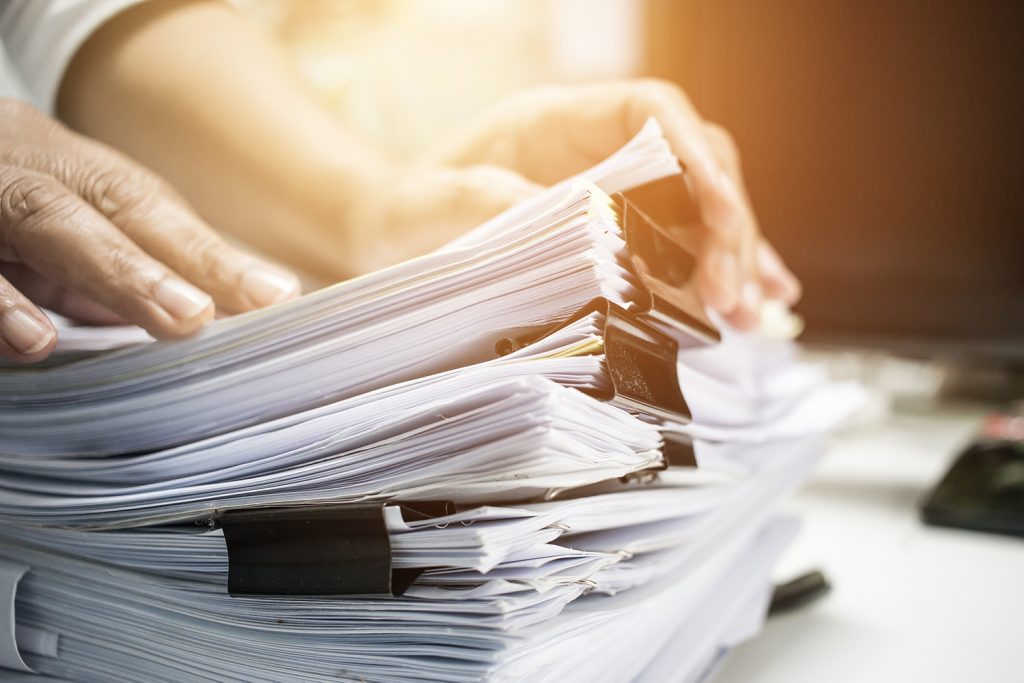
(172, 233)
(776, 279)
(26, 335)
(149, 212)
(54, 232)
(46, 293)
(748, 311)
(430, 207)
(729, 232)
(485, 191)
(460, 198)
(735, 264)
(725, 151)
(717, 265)
(747, 315)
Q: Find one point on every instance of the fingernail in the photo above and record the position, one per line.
(752, 297)
(25, 333)
(181, 300)
(725, 270)
(265, 286)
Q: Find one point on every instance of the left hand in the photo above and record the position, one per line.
(552, 133)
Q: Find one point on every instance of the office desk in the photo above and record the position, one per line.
(909, 603)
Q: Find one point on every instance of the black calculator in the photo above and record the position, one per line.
(982, 491)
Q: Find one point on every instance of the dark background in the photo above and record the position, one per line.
(883, 145)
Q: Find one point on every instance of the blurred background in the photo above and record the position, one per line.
(882, 141)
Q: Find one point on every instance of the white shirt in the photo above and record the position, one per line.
(41, 37)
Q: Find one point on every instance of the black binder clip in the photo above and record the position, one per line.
(316, 550)
(666, 270)
(678, 450)
(640, 358)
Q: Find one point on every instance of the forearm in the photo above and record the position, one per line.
(189, 90)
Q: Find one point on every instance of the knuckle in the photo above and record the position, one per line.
(208, 255)
(123, 267)
(652, 90)
(658, 84)
(28, 200)
(660, 91)
(117, 192)
(722, 140)
(720, 134)
(20, 200)
(727, 226)
(128, 278)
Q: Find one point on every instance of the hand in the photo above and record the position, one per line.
(553, 133)
(416, 210)
(91, 235)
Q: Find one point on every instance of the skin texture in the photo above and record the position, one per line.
(191, 91)
(90, 234)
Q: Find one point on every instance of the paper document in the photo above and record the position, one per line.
(520, 457)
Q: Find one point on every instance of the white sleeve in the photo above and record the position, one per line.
(42, 36)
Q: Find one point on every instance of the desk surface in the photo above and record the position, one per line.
(909, 602)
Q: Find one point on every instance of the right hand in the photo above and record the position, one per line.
(555, 132)
(422, 208)
(89, 234)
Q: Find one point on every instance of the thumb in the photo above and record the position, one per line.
(460, 198)
(483, 191)
(429, 207)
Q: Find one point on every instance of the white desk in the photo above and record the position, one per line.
(909, 603)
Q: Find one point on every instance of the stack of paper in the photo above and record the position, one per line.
(497, 462)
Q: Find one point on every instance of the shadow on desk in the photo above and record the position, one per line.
(895, 495)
